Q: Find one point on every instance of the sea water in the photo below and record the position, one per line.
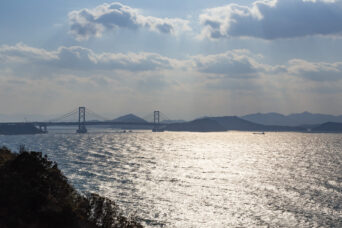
(182, 179)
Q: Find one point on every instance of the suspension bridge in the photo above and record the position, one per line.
(78, 116)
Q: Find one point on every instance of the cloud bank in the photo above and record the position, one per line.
(239, 64)
(274, 19)
(81, 59)
(88, 23)
(319, 71)
(238, 79)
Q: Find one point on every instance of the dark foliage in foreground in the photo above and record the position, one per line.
(34, 193)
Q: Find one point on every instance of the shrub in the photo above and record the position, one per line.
(35, 193)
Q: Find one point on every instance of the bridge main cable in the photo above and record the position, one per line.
(64, 116)
(96, 115)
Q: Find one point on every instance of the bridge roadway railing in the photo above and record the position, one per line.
(93, 123)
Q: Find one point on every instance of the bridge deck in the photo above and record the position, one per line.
(88, 123)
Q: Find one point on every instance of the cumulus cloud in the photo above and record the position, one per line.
(88, 23)
(231, 64)
(315, 71)
(71, 75)
(82, 59)
(274, 19)
(235, 64)
(24, 53)
(241, 64)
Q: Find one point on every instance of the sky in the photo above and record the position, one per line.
(186, 58)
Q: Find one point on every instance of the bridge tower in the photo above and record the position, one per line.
(81, 120)
(156, 121)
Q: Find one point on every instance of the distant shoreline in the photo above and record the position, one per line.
(19, 129)
(207, 124)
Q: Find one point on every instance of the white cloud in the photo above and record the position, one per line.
(274, 19)
(88, 23)
(239, 64)
(315, 71)
(23, 53)
(79, 75)
(235, 64)
(80, 59)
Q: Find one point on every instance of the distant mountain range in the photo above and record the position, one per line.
(226, 123)
(328, 127)
(133, 119)
(234, 123)
(298, 119)
(198, 125)
(301, 122)
(129, 118)
(172, 121)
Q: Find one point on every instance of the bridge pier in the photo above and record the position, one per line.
(81, 121)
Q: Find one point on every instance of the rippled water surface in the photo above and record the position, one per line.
(231, 179)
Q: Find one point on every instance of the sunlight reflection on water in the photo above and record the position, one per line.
(231, 179)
